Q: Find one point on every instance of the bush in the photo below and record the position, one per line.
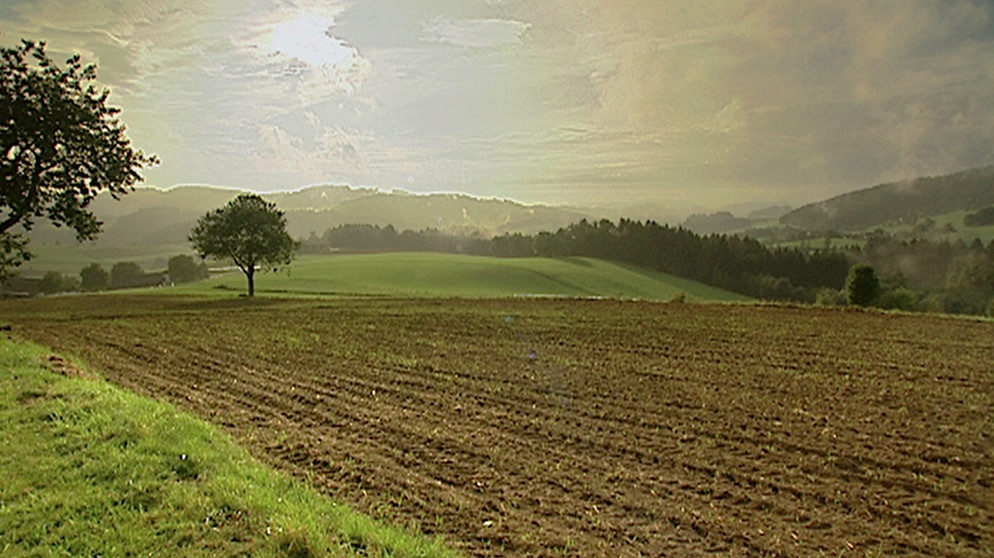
(184, 269)
(94, 278)
(899, 298)
(982, 218)
(862, 285)
(51, 283)
(126, 274)
(830, 297)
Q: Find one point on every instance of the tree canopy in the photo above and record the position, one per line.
(250, 231)
(60, 146)
(862, 285)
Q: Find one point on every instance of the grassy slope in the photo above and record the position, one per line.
(444, 275)
(89, 469)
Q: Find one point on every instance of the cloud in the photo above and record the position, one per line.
(333, 154)
(297, 46)
(476, 33)
(759, 97)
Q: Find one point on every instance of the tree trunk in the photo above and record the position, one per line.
(250, 274)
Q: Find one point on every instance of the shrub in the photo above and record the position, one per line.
(862, 285)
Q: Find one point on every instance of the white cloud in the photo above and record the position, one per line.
(332, 155)
(297, 45)
(478, 33)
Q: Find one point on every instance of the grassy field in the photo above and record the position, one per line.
(69, 258)
(92, 470)
(550, 427)
(446, 275)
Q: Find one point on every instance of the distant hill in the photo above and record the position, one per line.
(150, 218)
(716, 223)
(969, 190)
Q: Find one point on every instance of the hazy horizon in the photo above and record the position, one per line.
(677, 103)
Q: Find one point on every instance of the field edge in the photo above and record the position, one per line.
(91, 468)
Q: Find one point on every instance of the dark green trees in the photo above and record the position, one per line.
(183, 269)
(94, 278)
(249, 231)
(862, 285)
(61, 146)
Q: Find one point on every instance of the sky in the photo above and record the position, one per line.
(682, 103)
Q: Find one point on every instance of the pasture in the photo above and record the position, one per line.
(524, 427)
(449, 275)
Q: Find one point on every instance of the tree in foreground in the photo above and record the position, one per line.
(250, 231)
(862, 285)
(60, 146)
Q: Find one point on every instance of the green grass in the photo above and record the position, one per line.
(446, 275)
(89, 469)
(70, 258)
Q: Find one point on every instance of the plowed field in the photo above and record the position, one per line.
(584, 428)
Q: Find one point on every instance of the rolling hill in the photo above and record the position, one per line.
(899, 201)
(150, 216)
(149, 224)
(448, 275)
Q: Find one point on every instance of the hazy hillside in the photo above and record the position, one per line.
(963, 191)
(151, 217)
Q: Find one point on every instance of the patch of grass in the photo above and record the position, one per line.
(449, 275)
(90, 469)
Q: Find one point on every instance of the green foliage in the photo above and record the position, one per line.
(862, 285)
(126, 274)
(982, 218)
(877, 206)
(94, 278)
(62, 146)
(13, 253)
(898, 298)
(183, 269)
(93, 470)
(248, 230)
(830, 297)
(51, 283)
(448, 275)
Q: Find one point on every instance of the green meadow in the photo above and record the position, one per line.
(93, 470)
(447, 275)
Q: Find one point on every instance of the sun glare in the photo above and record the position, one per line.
(307, 37)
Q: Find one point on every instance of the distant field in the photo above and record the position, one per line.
(69, 258)
(589, 428)
(446, 275)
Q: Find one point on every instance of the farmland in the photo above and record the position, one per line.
(451, 275)
(520, 427)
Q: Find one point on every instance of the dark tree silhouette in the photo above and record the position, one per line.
(60, 146)
(862, 285)
(183, 269)
(94, 278)
(250, 231)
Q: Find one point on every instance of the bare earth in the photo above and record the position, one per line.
(584, 428)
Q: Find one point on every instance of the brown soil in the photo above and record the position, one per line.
(586, 428)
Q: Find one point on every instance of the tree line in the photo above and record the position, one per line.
(122, 275)
(932, 276)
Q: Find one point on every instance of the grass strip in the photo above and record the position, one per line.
(90, 469)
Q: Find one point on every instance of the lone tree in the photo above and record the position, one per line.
(862, 285)
(60, 146)
(248, 230)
